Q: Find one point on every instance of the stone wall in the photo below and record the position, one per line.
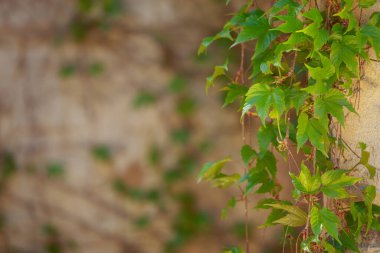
(46, 119)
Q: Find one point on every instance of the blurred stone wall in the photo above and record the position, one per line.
(50, 116)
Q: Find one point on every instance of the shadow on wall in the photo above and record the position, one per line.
(103, 124)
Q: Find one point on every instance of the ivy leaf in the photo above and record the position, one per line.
(372, 33)
(295, 217)
(255, 26)
(315, 221)
(247, 154)
(311, 129)
(330, 222)
(264, 98)
(265, 136)
(342, 52)
(234, 91)
(349, 241)
(291, 220)
(369, 196)
(332, 102)
(223, 181)
(335, 192)
(322, 73)
(347, 14)
(314, 30)
(233, 250)
(366, 3)
(278, 6)
(220, 70)
(305, 182)
(324, 218)
(296, 98)
(290, 25)
(211, 169)
(338, 178)
(364, 160)
(206, 42)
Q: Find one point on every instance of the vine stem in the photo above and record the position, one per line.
(246, 216)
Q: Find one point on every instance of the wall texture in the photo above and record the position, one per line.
(47, 119)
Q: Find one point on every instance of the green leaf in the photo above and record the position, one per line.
(314, 30)
(364, 160)
(234, 91)
(296, 98)
(264, 98)
(343, 52)
(206, 42)
(332, 103)
(290, 25)
(265, 136)
(347, 14)
(220, 70)
(247, 154)
(311, 129)
(369, 196)
(322, 73)
(256, 26)
(295, 217)
(335, 192)
(144, 98)
(366, 3)
(349, 241)
(305, 182)
(55, 170)
(224, 181)
(372, 33)
(233, 250)
(291, 220)
(338, 178)
(316, 223)
(280, 5)
(211, 169)
(334, 182)
(330, 222)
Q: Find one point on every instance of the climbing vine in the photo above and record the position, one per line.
(300, 70)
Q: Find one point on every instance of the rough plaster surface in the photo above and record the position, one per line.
(44, 119)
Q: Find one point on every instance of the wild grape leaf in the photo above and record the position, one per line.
(234, 91)
(247, 154)
(219, 70)
(206, 42)
(349, 241)
(314, 30)
(330, 222)
(366, 3)
(295, 98)
(255, 26)
(372, 33)
(264, 98)
(315, 221)
(265, 136)
(223, 181)
(305, 182)
(211, 169)
(278, 6)
(296, 217)
(342, 52)
(364, 160)
(332, 102)
(347, 14)
(291, 24)
(322, 73)
(369, 196)
(311, 129)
